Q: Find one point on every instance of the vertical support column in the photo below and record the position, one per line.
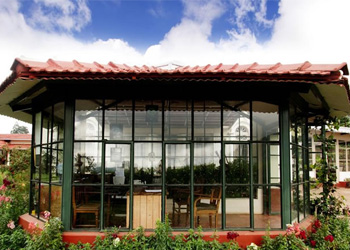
(285, 165)
(68, 161)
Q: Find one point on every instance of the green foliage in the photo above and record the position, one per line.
(13, 240)
(49, 238)
(283, 242)
(18, 129)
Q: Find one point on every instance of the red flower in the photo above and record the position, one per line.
(6, 182)
(302, 235)
(232, 235)
(313, 230)
(115, 235)
(317, 224)
(329, 238)
(313, 243)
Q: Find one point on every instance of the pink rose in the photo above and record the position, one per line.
(11, 224)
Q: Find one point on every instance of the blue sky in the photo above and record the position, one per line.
(185, 32)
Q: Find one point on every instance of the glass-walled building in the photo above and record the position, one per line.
(219, 147)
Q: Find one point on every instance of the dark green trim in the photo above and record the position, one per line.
(68, 159)
(285, 165)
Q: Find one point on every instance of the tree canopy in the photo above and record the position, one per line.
(18, 129)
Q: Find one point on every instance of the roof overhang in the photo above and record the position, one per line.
(328, 88)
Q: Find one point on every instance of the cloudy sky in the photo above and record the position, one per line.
(185, 32)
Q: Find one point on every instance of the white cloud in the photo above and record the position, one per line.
(313, 30)
(64, 15)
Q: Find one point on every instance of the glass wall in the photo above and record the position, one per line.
(299, 165)
(200, 163)
(47, 170)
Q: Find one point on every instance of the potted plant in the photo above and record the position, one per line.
(347, 182)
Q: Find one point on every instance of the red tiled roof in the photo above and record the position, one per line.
(15, 137)
(33, 69)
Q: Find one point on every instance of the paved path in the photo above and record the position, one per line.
(340, 192)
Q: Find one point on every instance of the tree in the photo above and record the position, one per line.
(17, 129)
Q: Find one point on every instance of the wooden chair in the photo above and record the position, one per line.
(181, 201)
(211, 207)
(79, 207)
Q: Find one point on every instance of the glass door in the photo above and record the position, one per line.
(117, 185)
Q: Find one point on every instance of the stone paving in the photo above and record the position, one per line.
(340, 192)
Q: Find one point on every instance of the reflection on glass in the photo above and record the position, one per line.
(294, 204)
(177, 163)
(178, 206)
(45, 161)
(147, 163)
(56, 201)
(37, 128)
(265, 121)
(46, 127)
(207, 167)
(44, 198)
(86, 206)
(237, 163)
(57, 162)
(37, 156)
(118, 120)
(88, 120)
(301, 202)
(34, 206)
(267, 207)
(58, 122)
(294, 163)
(300, 164)
(208, 216)
(236, 120)
(207, 120)
(87, 162)
(178, 120)
(274, 164)
(116, 207)
(117, 164)
(148, 120)
(237, 206)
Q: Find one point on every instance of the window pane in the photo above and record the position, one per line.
(265, 121)
(56, 201)
(294, 204)
(58, 122)
(88, 120)
(34, 206)
(300, 164)
(178, 120)
(86, 198)
(178, 206)
(147, 163)
(44, 198)
(148, 120)
(267, 207)
(46, 129)
(207, 163)
(87, 162)
(301, 202)
(37, 156)
(237, 207)
(237, 163)
(207, 120)
(117, 164)
(57, 162)
(118, 120)
(294, 151)
(236, 121)
(37, 128)
(45, 162)
(116, 207)
(177, 163)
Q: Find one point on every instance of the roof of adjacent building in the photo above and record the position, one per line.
(329, 79)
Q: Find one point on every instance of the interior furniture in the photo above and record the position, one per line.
(80, 206)
(208, 204)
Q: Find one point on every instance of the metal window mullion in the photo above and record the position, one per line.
(192, 168)
(223, 172)
(251, 193)
(68, 161)
(132, 156)
(102, 185)
(32, 164)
